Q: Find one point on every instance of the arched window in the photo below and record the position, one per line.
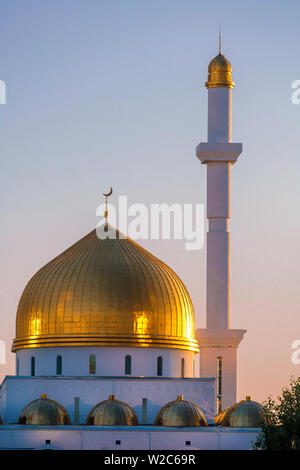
(159, 366)
(127, 365)
(58, 365)
(18, 366)
(92, 364)
(33, 366)
(182, 368)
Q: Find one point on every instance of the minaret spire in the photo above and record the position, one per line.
(218, 342)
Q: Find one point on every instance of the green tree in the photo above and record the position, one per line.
(282, 428)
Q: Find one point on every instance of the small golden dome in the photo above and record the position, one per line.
(246, 413)
(219, 73)
(112, 412)
(44, 412)
(180, 413)
(105, 292)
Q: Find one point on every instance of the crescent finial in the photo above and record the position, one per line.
(109, 192)
(106, 208)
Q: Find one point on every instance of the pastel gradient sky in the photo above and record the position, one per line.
(111, 92)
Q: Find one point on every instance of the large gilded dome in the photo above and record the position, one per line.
(105, 292)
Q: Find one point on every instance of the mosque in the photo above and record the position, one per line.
(105, 336)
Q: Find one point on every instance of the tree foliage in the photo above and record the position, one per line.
(282, 428)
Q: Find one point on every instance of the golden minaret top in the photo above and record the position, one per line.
(219, 71)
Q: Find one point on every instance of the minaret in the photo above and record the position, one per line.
(218, 344)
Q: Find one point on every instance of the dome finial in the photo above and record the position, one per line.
(106, 208)
(220, 40)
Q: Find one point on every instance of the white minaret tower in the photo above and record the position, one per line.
(218, 344)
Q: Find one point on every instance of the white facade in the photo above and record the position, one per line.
(219, 114)
(122, 438)
(145, 396)
(109, 361)
(220, 344)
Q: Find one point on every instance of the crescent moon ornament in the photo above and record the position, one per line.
(109, 192)
(106, 208)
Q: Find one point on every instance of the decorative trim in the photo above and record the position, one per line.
(98, 340)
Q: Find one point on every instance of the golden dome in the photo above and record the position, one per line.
(105, 292)
(180, 413)
(112, 412)
(44, 412)
(219, 73)
(246, 413)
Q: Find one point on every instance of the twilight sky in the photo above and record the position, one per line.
(111, 92)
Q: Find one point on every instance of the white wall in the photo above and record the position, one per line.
(219, 114)
(19, 391)
(131, 438)
(208, 368)
(110, 361)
